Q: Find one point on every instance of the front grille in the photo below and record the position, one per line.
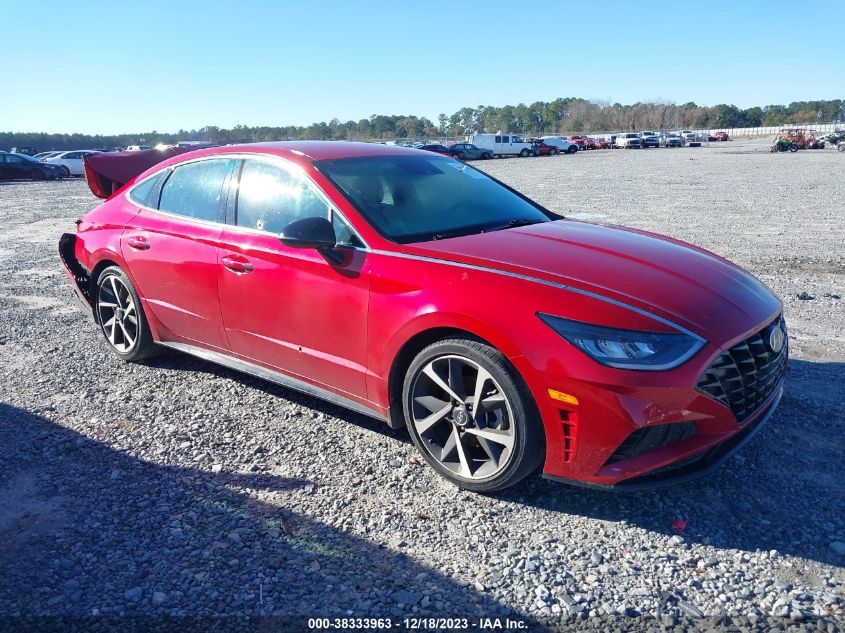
(746, 375)
(652, 437)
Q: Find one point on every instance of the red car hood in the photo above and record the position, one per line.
(685, 284)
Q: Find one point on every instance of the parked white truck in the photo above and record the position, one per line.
(503, 144)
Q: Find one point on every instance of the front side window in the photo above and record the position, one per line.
(419, 198)
(194, 190)
(270, 198)
(72, 156)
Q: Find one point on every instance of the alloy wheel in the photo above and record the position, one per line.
(117, 313)
(462, 417)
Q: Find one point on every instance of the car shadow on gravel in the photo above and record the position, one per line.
(87, 529)
(177, 361)
(783, 491)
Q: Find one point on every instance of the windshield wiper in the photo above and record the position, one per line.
(513, 222)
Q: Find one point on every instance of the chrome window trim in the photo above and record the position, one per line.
(285, 164)
(546, 282)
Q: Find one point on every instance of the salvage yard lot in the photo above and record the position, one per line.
(178, 487)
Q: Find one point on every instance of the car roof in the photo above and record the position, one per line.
(299, 151)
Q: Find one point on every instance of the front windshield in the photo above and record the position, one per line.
(416, 198)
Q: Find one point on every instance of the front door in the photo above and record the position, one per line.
(289, 308)
(172, 254)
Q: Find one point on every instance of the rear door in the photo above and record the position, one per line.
(170, 247)
(290, 308)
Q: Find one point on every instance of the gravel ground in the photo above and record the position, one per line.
(179, 488)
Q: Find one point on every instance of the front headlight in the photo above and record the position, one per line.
(626, 349)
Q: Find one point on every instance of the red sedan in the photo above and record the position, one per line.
(412, 288)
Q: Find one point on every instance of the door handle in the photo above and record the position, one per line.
(138, 242)
(236, 263)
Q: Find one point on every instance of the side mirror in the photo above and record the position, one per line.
(309, 233)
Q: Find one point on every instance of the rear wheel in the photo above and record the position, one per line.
(471, 416)
(121, 316)
(65, 171)
(553, 152)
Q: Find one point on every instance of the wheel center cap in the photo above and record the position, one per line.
(118, 314)
(460, 416)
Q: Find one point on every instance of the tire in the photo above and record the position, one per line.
(37, 174)
(525, 152)
(552, 152)
(116, 302)
(486, 156)
(793, 147)
(65, 171)
(572, 149)
(453, 444)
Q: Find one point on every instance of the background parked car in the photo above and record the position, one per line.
(718, 136)
(561, 143)
(580, 141)
(649, 138)
(43, 155)
(71, 161)
(23, 167)
(543, 149)
(439, 149)
(468, 151)
(671, 140)
(26, 151)
(628, 140)
(503, 144)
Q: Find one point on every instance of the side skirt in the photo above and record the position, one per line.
(274, 377)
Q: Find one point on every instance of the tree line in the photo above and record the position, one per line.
(565, 115)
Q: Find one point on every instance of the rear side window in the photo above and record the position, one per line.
(140, 194)
(505, 139)
(498, 139)
(194, 190)
(270, 198)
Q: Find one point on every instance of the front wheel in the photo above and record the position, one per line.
(552, 152)
(793, 147)
(525, 152)
(37, 174)
(572, 149)
(471, 415)
(121, 316)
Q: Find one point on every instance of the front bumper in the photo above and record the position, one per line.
(698, 465)
(630, 430)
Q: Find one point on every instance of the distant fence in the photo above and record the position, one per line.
(821, 128)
